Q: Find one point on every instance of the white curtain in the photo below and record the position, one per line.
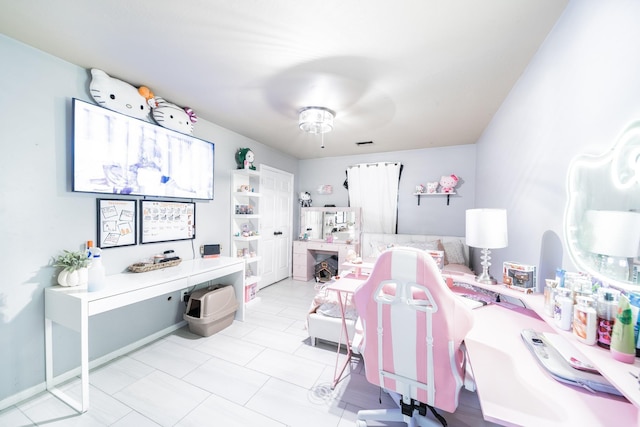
(373, 187)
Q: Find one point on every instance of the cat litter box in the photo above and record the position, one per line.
(210, 311)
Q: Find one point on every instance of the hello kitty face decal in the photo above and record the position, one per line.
(117, 95)
(171, 116)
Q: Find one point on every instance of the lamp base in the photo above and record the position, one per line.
(485, 278)
(488, 280)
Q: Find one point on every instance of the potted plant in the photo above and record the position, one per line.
(74, 268)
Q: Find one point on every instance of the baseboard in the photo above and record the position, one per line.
(32, 391)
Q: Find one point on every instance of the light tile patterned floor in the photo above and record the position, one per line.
(261, 372)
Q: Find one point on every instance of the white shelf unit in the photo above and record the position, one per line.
(245, 226)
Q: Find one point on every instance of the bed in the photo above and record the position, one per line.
(324, 321)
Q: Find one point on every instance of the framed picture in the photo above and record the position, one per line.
(116, 223)
(165, 221)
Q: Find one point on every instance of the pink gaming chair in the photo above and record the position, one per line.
(413, 326)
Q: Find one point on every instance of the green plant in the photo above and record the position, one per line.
(71, 260)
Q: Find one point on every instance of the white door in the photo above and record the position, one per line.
(276, 225)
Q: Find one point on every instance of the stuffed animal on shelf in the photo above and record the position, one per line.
(448, 183)
(117, 95)
(172, 117)
(432, 187)
(245, 158)
(420, 188)
(305, 199)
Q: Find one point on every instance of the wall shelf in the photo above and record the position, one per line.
(434, 194)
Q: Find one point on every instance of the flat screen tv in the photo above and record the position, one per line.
(118, 154)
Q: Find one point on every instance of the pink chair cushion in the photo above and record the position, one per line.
(403, 267)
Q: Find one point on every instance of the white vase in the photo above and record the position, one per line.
(73, 278)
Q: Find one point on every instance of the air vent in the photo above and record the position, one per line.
(364, 142)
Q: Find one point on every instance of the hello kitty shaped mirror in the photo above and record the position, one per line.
(602, 215)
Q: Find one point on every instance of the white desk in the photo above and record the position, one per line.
(71, 307)
(514, 390)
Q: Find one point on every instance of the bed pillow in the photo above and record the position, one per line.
(454, 253)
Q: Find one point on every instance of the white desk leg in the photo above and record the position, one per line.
(48, 353)
(84, 357)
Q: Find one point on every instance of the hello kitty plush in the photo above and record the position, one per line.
(448, 183)
(117, 95)
(171, 116)
(432, 187)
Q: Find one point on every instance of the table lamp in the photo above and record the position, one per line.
(613, 237)
(486, 229)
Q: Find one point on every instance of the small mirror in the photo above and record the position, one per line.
(602, 216)
(330, 224)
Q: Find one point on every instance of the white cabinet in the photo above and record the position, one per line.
(245, 226)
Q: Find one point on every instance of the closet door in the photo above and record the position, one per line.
(276, 187)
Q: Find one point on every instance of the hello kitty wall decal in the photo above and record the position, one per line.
(141, 103)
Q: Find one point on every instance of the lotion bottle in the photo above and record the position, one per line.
(585, 327)
(622, 346)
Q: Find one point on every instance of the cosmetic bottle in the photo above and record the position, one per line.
(622, 347)
(550, 296)
(606, 310)
(563, 312)
(634, 300)
(585, 320)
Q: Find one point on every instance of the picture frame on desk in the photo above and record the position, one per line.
(116, 223)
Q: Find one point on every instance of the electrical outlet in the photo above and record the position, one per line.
(185, 295)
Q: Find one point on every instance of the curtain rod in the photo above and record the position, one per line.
(374, 164)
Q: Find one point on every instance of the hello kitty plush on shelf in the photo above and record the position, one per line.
(432, 187)
(448, 183)
(171, 116)
(117, 95)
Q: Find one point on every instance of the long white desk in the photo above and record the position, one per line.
(514, 390)
(71, 307)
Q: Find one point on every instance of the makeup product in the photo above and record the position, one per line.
(606, 311)
(585, 320)
(622, 347)
(563, 312)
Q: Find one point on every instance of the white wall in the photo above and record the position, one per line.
(433, 216)
(40, 216)
(581, 90)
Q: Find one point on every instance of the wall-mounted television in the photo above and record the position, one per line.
(118, 154)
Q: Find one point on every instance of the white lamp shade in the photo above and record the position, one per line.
(613, 233)
(486, 228)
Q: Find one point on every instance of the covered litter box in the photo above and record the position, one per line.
(210, 311)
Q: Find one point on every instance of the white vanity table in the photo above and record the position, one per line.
(72, 307)
(328, 230)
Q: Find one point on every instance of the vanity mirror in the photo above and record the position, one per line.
(602, 215)
(337, 224)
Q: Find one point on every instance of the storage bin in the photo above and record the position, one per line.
(210, 311)
(250, 292)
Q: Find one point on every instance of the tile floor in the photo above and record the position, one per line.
(261, 372)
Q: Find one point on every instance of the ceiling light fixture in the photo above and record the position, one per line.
(316, 120)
